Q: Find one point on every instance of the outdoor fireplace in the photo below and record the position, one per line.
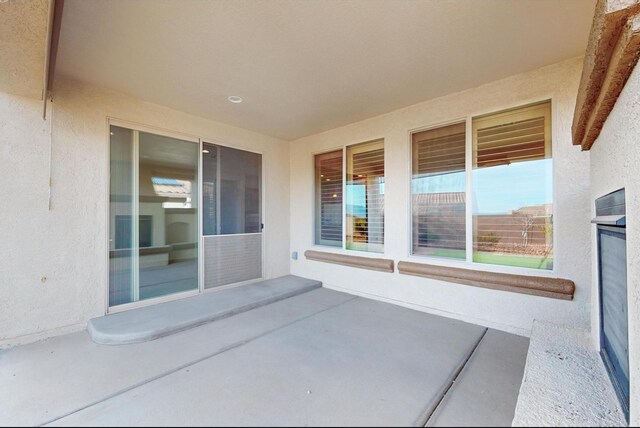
(612, 284)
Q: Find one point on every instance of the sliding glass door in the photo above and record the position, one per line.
(231, 215)
(153, 216)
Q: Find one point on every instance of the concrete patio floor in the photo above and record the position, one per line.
(319, 358)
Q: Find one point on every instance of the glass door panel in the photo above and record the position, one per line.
(167, 218)
(154, 216)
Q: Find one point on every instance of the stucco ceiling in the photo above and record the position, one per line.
(23, 39)
(303, 67)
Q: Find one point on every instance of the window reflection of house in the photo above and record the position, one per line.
(440, 220)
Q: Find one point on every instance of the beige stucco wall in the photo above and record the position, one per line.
(67, 245)
(503, 310)
(615, 163)
(23, 42)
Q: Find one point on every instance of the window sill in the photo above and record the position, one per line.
(346, 251)
(533, 285)
(371, 263)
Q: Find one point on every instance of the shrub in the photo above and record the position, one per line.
(491, 238)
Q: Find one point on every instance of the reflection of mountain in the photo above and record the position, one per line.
(544, 210)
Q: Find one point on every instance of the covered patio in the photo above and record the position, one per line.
(315, 359)
(337, 212)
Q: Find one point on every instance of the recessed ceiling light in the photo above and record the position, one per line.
(205, 151)
(112, 133)
(235, 99)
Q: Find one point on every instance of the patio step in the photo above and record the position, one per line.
(155, 321)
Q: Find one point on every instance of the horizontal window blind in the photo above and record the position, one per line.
(439, 150)
(513, 142)
(438, 188)
(329, 198)
(517, 136)
(365, 204)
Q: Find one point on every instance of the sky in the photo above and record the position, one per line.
(357, 200)
(504, 188)
(496, 190)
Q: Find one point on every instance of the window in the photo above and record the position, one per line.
(365, 197)
(363, 186)
(438, 191)
(329, 199)
(511, 195)
(513, 188)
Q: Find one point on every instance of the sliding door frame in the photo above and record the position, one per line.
(135, 218)
(200, 141)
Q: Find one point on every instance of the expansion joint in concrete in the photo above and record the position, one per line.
(430, 412)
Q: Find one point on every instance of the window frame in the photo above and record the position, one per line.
(468, 263)
(342, 249)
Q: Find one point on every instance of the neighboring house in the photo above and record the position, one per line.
(439, 220)
(439, 134)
